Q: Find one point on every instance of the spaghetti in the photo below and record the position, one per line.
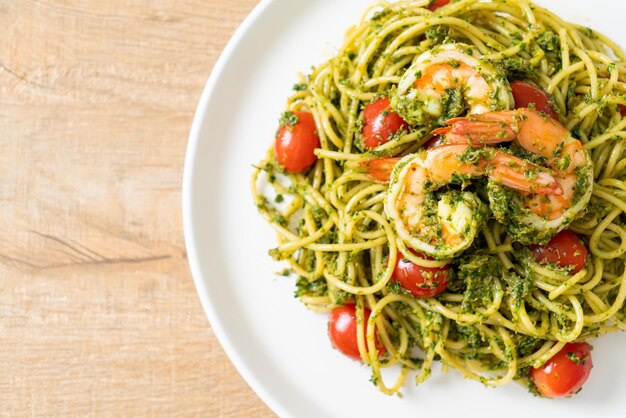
(503, 312)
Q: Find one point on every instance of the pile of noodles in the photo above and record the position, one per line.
(502, 313)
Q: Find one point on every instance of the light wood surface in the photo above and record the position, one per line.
(98, 312)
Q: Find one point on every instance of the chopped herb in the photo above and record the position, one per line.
(452, 103)
(315, 288)
(280, 219)
(549, 41)
(575, 358)
(437, 34)
(288, 119)
(516, 36)
(381, 14)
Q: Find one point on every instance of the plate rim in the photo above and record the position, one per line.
(187, 199)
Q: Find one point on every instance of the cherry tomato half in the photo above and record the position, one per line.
(342, 331)
(564, 249)
(565, 373)
(622, 109)
(422, 282)
(525, 93)
(380, 123)
(437, 4)
(296, 141)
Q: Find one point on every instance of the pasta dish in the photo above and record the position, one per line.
(451, 187)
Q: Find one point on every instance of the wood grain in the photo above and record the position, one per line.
(98, 312)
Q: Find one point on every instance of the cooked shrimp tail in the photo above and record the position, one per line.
(478, 130)
(511, 171)
(523, 176)
(380, 168)
(529, 217)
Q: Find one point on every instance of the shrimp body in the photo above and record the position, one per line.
(448, 81)
(439, 223)
(531, 217)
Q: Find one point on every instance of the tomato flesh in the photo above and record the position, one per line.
(296, 141)
(526, 94)
(342, 331)
(565, 373)
(564, 249)
(422, 282)
(622, 109)
(380, 123)
(437, 4)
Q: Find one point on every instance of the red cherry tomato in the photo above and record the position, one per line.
(433, 142)
(564, 249)
(342, 331)
(565, 373)
(437, 4)
(296, 141)
(622, 109)
(380, 123)
(526, 93)
(422, 282)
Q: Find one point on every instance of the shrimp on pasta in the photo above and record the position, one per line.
(448, 81)
(444, 226)
(531, 217)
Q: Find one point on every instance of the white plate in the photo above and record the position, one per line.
(279, 347)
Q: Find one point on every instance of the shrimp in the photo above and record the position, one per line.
(443, 224)
(446, 82)
(530, 217)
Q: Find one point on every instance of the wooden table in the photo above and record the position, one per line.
(99, 315)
